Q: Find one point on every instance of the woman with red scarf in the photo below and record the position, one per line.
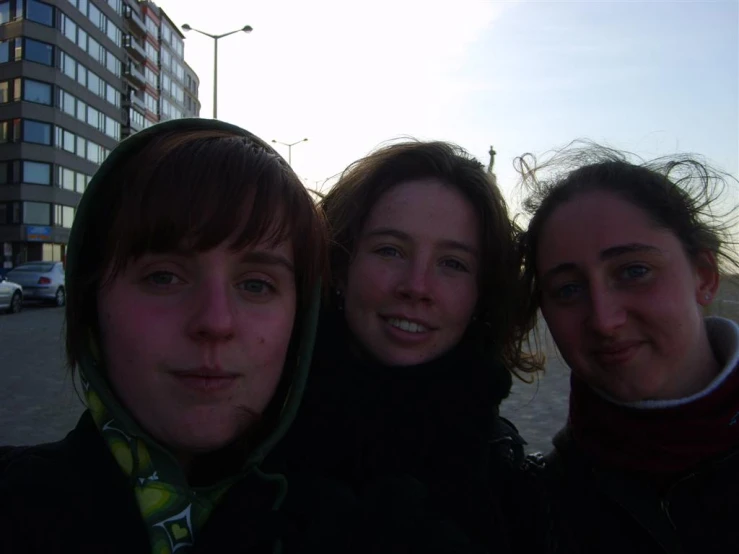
(623, 259)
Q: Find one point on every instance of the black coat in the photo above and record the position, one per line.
(578, 508)
(71, 496)
(435, 424)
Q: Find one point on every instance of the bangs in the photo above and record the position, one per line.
(199, 195)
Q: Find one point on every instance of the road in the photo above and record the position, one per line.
(38, 402)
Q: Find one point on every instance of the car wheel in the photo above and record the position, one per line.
(60, 298)
(16, 303)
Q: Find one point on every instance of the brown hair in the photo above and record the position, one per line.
(197, 187)
(678, 193)
(347, 205)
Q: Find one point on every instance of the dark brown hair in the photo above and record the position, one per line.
(678, 193)
(196, 188)
(348, 204)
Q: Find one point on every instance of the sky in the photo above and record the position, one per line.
(651, 77)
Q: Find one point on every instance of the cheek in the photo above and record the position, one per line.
(367, 284)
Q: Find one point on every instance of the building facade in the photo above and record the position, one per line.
(76, 77)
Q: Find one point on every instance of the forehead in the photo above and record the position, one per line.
(425, 207)
(581, 229)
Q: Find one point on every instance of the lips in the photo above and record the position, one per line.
(617, 353)
(206, 379)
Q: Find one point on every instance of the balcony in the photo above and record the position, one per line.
(134, 23)
(134, 49)
(134, 100)
(135, 76)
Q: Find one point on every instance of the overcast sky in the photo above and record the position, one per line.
(652, 77)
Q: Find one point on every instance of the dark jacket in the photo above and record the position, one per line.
(436, 424)
(584, 509)
(71, 496)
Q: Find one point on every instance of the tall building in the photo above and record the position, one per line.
(76, 76)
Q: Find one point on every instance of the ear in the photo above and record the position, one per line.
(707, 277)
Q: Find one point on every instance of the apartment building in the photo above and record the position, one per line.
(76, 77)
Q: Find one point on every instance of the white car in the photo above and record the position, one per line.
(11, 296)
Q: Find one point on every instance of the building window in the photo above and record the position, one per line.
(4, 166)
(36, 213)
(40, 12)
(68, 141)
(36, 91)
(4, 12)
(67, 216)
(36, 132)
(69, 28)
(39, 52)
(4, 51)
(67, 179)
(36, 172)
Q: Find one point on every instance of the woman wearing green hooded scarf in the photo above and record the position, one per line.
(193, 273)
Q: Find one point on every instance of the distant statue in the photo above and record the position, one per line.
(492, 153)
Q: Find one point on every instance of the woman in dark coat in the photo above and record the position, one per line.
(192, 284)
(623, 259)
(418, 344)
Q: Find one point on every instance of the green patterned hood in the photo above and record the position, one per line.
(172, 510)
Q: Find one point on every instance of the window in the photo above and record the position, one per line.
(81, 181)
(4, 92)
(40, 12)
(69, 28)
(4, 12)
(82, 39)
(68, 104)
(67, 179)
(36, 213)
(36, 132)
(67, 213)
(37, 173)
(69, 66)
(151, 103)
(112, 95)
(81, 147)
(3, 131)
(152, 27)
(36, 91)
(4, 51)
(82, 74)
(3, 176)
(39, 52)
(95, 16)
(113, 32)
(68, 141)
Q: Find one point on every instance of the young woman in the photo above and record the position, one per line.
(417, 347)
(192, 275)
(622, 258)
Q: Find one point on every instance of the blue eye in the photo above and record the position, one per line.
(256, 286)
(162, 278)
(388, 252)
(455, 265)
(567, 292)
(633, 272)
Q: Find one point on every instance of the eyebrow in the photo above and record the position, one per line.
(400, 235)
(607, 254)
(267, 258)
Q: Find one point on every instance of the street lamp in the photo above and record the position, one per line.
(245, 29)
(289, 148)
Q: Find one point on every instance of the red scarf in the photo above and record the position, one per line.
(662, 442)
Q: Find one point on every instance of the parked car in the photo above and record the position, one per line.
(41, 281)
(11, 296)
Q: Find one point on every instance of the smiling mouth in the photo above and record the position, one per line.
(408, 326)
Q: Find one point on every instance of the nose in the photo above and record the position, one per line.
(415, 281)
(212, 316)
(607, 312)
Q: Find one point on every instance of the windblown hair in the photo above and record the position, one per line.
(681, 194)
(498, 322)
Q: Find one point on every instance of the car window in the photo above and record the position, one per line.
(43, 268)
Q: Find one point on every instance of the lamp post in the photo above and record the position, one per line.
(245, 29)
(289, 148)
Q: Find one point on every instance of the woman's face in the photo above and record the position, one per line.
(623, 300)
(195, 342)
(412, 284)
